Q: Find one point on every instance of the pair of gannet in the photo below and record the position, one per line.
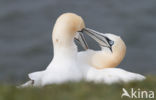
(70, 65)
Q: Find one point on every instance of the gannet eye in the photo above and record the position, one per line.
(111, 42)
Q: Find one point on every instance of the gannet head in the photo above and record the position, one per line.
(117, 45)
(66, 28)
(113, 49)
(118, 49)
(113, 54)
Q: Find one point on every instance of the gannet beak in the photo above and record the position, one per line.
(99, 37)
(80, 38)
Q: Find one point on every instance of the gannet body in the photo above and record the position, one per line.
(105, 75)
(98, 66)
(64, 66)
(70, 65)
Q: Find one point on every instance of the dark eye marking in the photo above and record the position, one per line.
(110, 41)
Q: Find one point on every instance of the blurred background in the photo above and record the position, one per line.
(26, 26)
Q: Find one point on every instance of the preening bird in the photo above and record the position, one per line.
(64, 66)
(99, 65)
(70, 65)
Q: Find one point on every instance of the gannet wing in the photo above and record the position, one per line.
(35, 79)
(27, 84)
(112, 75)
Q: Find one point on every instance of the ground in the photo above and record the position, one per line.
(77, 91)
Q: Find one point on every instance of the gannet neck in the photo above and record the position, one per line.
(107, 59)
(69, 52)
(64, 32)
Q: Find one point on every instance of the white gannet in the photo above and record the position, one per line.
(99, 65)
(70, 65)
(64, 66)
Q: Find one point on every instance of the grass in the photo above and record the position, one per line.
(76, 91)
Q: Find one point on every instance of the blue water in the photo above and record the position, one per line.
(26, 26)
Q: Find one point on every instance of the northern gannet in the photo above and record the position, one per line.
(70, 65)
(99, 65)
(64, 66)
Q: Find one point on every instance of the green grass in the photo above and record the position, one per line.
(76, 91)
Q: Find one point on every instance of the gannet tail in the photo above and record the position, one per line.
(27, 84)
(35, 80)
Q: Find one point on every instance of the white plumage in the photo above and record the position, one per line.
(70, 65)
(105, 75)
